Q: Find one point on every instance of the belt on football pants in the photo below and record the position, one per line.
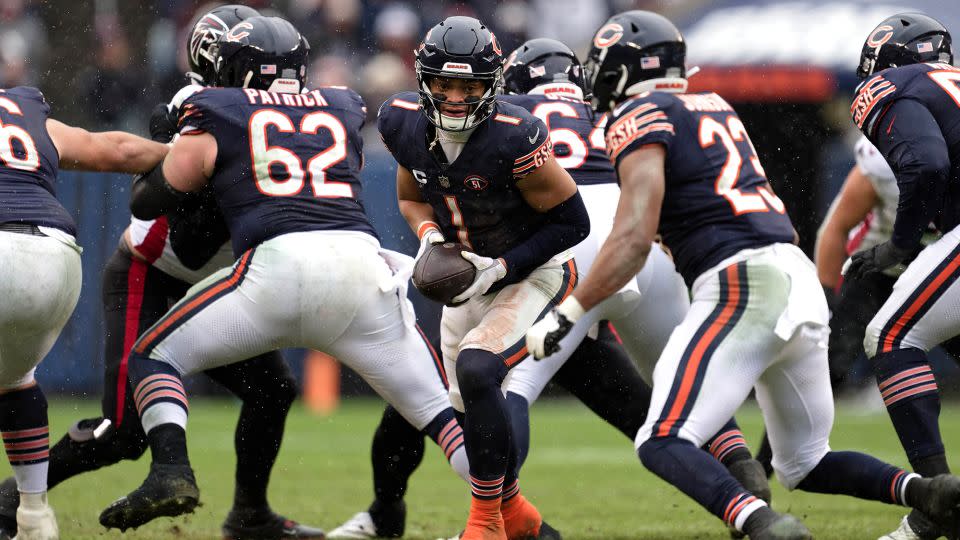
(21, 228)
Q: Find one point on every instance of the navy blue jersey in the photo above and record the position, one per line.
(285, 162)
(29, 162)
(577, 135)
(475, 198)
(904, 105)
(717, 199)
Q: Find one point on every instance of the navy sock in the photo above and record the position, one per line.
(154, 382)
(26, 435)
(396, 452)
(487, 424)
(445, 430)
(168, 445)
(519, 411)
(857, 475)
(913, 401)
(700, 477)
(728, 446)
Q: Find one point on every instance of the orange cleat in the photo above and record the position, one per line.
(485, 521)
(521, 518)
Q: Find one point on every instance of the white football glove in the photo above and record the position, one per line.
(543, 338)
(429, 238)
(489, 271)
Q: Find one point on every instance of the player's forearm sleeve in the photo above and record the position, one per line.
(567, 225)
(151, 196)
(911, 141)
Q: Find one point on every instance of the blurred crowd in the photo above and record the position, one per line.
(137, 51)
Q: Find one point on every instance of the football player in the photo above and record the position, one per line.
(284, 169)
(40, 276)
(545, 77)
(758, 316)
(860, 217)
(482, 172)
(909, 107)
(154, 265)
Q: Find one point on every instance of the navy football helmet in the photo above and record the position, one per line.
(538, 62)
(206, 32)
(459, 48)
(905, 38)
(263, 52)
(633, 48)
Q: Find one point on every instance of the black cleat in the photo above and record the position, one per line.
(259, 525)
(752, 476)
(548, 533)
(169, 490)
(785, 527)
(9, 501)
(942, 503)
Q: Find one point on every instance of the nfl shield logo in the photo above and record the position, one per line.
(650, 62)
(444, 182)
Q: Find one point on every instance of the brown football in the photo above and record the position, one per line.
(442, 273)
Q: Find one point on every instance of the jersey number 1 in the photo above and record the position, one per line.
(763, 200)
(263, 155)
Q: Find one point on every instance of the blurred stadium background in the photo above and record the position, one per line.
(787, 66)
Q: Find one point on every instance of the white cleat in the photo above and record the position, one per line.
(903, 532)
(36, 523)
(359, 526)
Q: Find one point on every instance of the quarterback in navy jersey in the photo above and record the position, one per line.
(545, 77)
(909, 107)
(482, 172)
(154, 264)
(284, 169)
(758, 317)
(40, 277)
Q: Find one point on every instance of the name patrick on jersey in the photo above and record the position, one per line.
(262, 97)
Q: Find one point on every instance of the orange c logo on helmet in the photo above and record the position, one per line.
(236, 33)
(608, 35)
(496, 46)
(885, 33)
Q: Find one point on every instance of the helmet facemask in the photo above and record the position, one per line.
(479, 108)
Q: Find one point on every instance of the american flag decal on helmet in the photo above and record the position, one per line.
(650, 62)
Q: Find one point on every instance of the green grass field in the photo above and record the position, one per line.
(581, 473)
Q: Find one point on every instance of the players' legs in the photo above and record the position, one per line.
(859, 301)
(135, 295)
(919, 314)
(40, 285)
(705, 373)
(486, 337)
(267, 389)
(601, 375)
(236, 313)
(797, 405)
